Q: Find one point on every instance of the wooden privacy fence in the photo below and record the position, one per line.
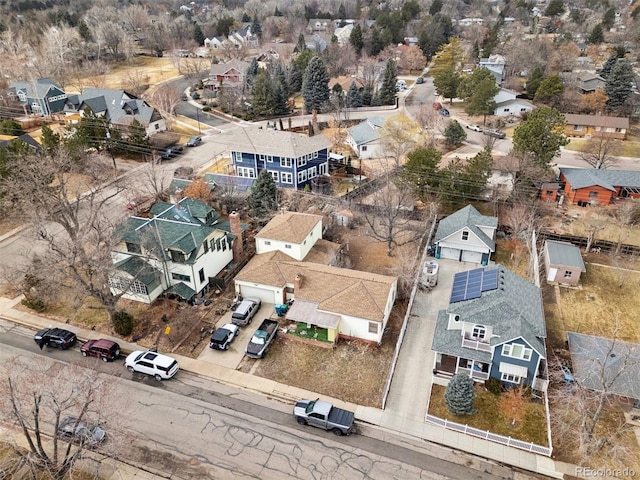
(602, 246)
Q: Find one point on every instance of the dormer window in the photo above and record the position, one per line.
(465, 235)
(478, 332)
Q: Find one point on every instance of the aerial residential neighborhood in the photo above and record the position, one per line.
(414, 225)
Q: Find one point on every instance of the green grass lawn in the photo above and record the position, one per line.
(312, 333)
(532, 428)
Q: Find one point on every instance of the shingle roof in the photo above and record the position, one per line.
(514, 310)
(620, 360)
(121, 107)
(564, 253)
(450, 341)
(222, 68)
(336, 290)
(467, 217)
(367, 131)
(140, 270)
(289, 227)
(42, 86)
(609, 179)
(597, 121)
(266, 141)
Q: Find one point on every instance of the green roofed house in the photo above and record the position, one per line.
(179, 251)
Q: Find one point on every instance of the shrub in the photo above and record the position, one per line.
(123, 323)
(34, 304)
(206, 108)
(494, 386)
(460, 395)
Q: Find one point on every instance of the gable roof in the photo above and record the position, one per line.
(621, 361)
(37, 89)
(513, 310)
(564, 253)
(366, 131)
(467, 217)
(597, 121)
(609, 179)
(290, 227)
(119, 106)
(266, 141)
(222, 68)
(336, 290)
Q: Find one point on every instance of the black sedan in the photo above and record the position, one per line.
(55, 337)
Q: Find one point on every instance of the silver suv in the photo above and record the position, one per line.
(495, 133)
(246, 310)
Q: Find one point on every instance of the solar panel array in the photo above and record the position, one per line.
(470, 284)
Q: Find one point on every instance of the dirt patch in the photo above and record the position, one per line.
(353, 371)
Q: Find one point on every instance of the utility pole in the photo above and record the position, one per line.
(110, 151)
(198, 117)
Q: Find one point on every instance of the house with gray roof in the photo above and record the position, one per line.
(40, 97)
(508, 104)
(605, 365)
(179, 251)
(494, 327)
(292, 159)
(365, 138)
(118, 107)
(563, 262)
(466, 236)
(598, 186)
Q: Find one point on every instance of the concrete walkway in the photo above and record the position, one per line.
(388, 425)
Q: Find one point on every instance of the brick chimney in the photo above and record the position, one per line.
(297, 282)
(236, 229)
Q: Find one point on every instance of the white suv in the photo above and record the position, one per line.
(160, 366)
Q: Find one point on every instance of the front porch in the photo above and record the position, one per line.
(448, 366)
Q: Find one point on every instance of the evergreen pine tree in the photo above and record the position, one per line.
(263, 197)
(459, 395)
(596, 35)
(138, 140)
(256, 28)
(387, 92)
(262, 95)
(608, 65)
(315, 86)
(50, 140)
(301, 45)
(245, 17)
(354, 100)
(534, 81)
(619, 82)
(198, 36)
(281, 103)
(366, 96)
(455, 134)
(251, 73)
(356, 39)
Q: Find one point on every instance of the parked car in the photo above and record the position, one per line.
(171, 152)
(324, 415)
(262, 339)
(55, 337)
(223, 336)
(195, 95)
(194, 141)
(88, 434)
(245, 311)
(495, 133)
(177, 149)
(161, 366)
(419, 80)
(401, 85)
(104, 349)
(444, 112)
(475, 128)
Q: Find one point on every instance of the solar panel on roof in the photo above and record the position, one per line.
(469, 285)
(489, 280)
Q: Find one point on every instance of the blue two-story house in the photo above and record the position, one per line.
(292, 159)
(493, 327)
(43, 96)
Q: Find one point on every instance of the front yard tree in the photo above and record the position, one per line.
(534, 81)
(619, 82)
(479, 90)
(354, 99)
(356, 39)
(594, 103)
(420, 171)
(454, 134)
(459, 395)
(398, 136)
(541, 135)
(387, 94)
(513, 403)
(446, 83)
(550, 91)
(600, 152)
(446, 69)
(264, 196)
(263, 100)
(315, 86)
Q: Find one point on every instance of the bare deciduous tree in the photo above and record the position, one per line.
(136, 82)
(600, 152)
(398, 137)
(165, 98)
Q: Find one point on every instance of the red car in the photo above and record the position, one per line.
(104, 349)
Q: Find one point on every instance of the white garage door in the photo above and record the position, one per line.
(452, 253)
(475, 257)
(263, 294)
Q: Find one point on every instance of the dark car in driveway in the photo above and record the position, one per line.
(104, 349)
(89, 435)
(55, 337)
(444, 112)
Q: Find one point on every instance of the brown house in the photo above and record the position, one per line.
(597, 186)
(230, 74)
(596, 125)
(563, 262)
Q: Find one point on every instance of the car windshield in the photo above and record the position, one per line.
(139, 356)
(310, 406)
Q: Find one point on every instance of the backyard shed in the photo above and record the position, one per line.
(563, 262)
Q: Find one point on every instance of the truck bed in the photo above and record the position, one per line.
(339, 416)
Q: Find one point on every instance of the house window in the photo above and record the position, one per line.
(523, 109)
(505, 110)
(312, 172)
(508, 377)
(179, 276)
(267, 242)
(577, 128)
(133, 248)
(177, 256)
(223, 242)
(201, 275)
(465, 235)
(618, 130)
(373, 327)
(516, 350)
(285, 162)
(363, 148)
(246, 172)
(315, 154)
(126, 285)
(262, 157)
(302, 176)
(323, 168)
(157, 126)
(302, 161)
(568, 273)
(479, 332)
(270, 158)
(237, 157)
(275, 176)
(286, 177)
(206, 247)
(287, 245)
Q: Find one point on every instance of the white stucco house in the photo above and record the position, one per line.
(507, 104)
(466, 236)
(346, 303)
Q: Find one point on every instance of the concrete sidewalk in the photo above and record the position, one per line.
(389, 425)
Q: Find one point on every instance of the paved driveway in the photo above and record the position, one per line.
(232, 357)
(411, 385)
